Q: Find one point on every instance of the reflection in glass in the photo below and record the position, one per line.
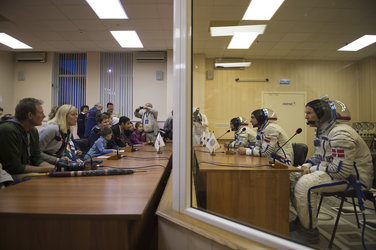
(288, 58)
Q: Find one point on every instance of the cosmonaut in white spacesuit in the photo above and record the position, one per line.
(200, 125)
(270, 138)
(341, 157)
(244, 135)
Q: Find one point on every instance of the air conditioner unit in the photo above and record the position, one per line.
(150, 56)
(231, 63)
(31, 57)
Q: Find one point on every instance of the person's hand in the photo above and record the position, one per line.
(78, 152)
(45, 167)
(241, 151)
(305, 170)
(114, 151)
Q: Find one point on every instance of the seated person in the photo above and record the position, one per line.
(269, 138)
(119, 131)
(129, 132)
(167, 127)
(200, 125)
(110, 118)
(244, 135)
(100, 145)
(19, 138)
(138, 135)
(341, 156)
(55, 138)
(102, 121)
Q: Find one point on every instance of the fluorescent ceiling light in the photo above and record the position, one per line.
(231, 30)
(127, 38)
(9, 41)
(242, 40)
(359, 43)
(262, 9)
(108, 9)
(232, 65)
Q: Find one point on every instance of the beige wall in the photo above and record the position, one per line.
(351, 82)
(170, 82)
(199, 76)
(6, 81)
(147, 89)
(37, 82)
(93, 79)
(367, 89)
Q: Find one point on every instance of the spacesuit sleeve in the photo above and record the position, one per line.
(343, 150)
(204, 121)
(267, 145)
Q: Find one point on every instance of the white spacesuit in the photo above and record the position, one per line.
(339, 153)
(244, 135)
(200, 125)
(270, 138)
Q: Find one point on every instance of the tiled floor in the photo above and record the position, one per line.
(348, 235)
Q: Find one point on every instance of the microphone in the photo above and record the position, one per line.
(228, 131)
(117, 154)
(310, 122)
(243, 129)
(298, 131)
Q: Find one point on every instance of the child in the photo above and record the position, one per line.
(138, 135)
(99, 147)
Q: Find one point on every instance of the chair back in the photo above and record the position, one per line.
(300, 153)
(83, 144)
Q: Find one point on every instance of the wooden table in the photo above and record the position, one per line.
(100, 212)
(246, 189)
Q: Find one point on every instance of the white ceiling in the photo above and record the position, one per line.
(301, 29)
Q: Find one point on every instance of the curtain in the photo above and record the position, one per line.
(116, 84)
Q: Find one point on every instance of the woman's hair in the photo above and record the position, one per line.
(61, 118)
(52, 113)
(138, 124)
(105, 131)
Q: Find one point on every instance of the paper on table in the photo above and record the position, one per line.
(104, 156)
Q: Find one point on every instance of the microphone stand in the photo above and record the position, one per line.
(298, 131)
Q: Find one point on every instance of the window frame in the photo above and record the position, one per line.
(181, 199)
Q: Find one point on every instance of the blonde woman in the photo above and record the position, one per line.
(55, 140)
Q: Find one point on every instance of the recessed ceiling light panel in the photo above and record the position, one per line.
(12, 42)
(359, 43)
(127, 38)
(108, 9)
(262, 9)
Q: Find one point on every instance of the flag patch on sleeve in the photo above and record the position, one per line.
(339, 153)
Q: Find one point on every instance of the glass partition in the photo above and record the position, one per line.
(239, 66)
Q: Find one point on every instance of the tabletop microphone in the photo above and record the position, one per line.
(298, 131)
(228, 131)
